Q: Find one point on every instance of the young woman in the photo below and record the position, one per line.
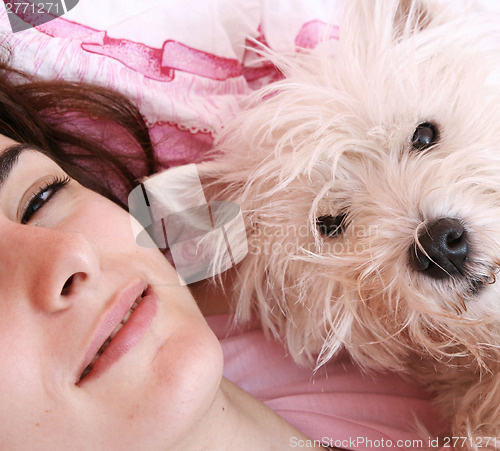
(100, 349)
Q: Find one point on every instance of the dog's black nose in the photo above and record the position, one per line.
(445, 249)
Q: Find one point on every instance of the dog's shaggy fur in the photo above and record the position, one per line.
(337, 140)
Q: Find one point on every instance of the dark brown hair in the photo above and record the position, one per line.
(96, 135)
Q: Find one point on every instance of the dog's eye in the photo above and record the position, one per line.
(331, 226)
(426, 134)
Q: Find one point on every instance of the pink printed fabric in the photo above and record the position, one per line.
(186, 64)
(338, 405)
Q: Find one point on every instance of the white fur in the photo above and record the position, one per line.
(335, 136)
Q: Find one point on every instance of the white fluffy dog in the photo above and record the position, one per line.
(369, 178)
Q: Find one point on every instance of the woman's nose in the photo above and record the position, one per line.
(49, 267)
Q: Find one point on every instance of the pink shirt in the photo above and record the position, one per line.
(338, 405)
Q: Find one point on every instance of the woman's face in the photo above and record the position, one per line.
(70, 271)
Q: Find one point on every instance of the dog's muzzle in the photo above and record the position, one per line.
(442, 250)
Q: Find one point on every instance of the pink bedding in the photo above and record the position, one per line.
(338, 405)
(187, 64)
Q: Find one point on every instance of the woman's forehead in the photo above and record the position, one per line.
(12, 153)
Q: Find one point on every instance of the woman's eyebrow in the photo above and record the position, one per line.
(10, 156)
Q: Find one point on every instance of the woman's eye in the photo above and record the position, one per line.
(42, 196)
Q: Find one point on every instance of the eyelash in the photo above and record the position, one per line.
(42, 196)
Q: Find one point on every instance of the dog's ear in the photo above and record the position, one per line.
(369, 27)
(411, 16)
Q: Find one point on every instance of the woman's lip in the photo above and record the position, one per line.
(119, 307)
(128, 336)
